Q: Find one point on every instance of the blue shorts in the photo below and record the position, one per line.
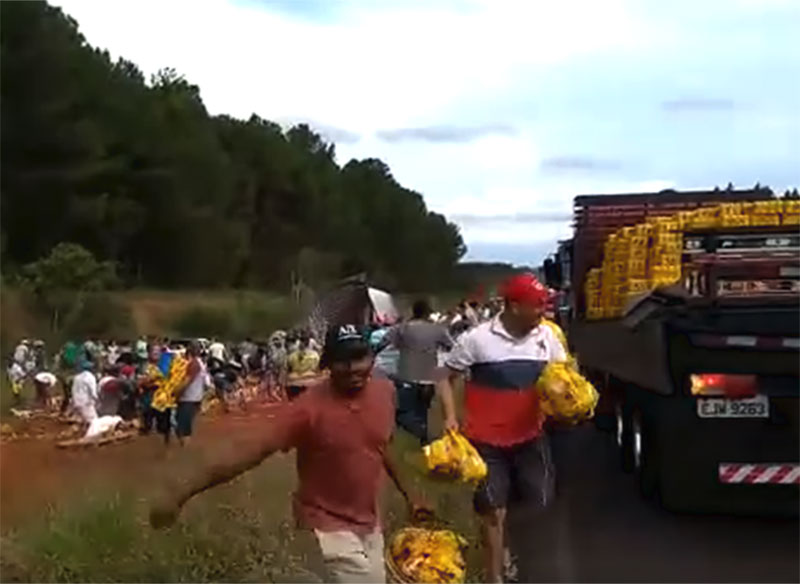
(184, 417)
(519, 473)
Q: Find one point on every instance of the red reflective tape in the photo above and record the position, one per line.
(757, 471)
(727, 471)
(783, 471)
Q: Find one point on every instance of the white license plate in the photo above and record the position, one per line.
(751, 407)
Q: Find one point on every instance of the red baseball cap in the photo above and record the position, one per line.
(525, 289)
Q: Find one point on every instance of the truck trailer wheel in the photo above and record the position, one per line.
(645, 454)
(623, 436)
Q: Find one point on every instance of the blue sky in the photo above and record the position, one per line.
(499, 112)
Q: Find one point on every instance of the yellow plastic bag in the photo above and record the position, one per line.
(425, 555)
(567, 396)
(453, 457)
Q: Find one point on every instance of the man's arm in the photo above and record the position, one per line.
(445, 390)
(227, 463)
(416, 507)
(458, 363)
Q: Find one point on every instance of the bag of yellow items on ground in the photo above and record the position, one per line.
(567, 396)
(418, 555)
(453, 457)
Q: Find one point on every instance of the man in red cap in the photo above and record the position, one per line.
(500, 362)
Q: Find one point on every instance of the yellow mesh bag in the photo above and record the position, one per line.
(453, 457)
(426, 555)
(567, 396)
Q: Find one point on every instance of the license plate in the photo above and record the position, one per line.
(751, 407)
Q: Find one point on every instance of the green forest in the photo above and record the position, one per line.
(137, 172)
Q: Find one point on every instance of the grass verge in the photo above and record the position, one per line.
(241, 532)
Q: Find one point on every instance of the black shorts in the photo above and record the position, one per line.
(184, 417)
(520, 473)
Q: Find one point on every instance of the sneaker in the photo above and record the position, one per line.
(510, 569)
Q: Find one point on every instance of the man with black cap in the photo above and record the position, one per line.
(341, 430)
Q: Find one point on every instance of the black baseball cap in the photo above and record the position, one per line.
(344, 342)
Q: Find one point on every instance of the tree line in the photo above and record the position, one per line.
(137, 172)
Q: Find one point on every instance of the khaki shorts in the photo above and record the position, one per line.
(352, 558)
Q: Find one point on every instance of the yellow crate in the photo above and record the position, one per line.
(639, 253)
(758, 220)
(658, 273)
(666, 237)
(735, 220)
(790, 219)
(637, 268)
(767, 207)
(593, 313)
(638, 285)
(643, 230)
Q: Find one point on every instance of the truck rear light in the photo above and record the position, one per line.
(726, 385)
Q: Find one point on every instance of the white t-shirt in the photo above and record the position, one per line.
(84, 389)
(217, 351)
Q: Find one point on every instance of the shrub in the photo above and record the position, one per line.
(100, 315)
(203, 321)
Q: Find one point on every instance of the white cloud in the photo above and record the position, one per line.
(575, 79)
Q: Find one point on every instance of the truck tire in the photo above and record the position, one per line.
(623, 436)
(645, 453)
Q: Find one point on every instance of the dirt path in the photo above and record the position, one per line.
(35, 474)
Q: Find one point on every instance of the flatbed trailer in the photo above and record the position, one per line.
(700, 380)
(714, 453)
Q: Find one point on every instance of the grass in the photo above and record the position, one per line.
(241, 532)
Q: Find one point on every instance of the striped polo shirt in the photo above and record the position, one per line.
(501, 402)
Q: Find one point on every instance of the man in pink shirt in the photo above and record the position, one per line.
(341, 430)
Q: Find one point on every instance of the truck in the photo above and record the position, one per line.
(699, 379)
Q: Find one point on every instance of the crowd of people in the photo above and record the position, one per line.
(341, 428)
(160, 382)
(366, 381)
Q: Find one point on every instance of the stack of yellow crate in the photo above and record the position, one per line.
(648, 255)
(703, 218)
(615, 260)
(594, 306)
(791, 212)
(764, 213)
(664, 260)
(636, 276)
(734, 214)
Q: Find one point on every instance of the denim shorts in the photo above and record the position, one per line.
(413, 402)
(184, 417)
(520, 473)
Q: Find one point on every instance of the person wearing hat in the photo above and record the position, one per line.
(43, 382)
(499, 363)
(341, 429)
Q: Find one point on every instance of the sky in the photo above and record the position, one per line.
(498, 112)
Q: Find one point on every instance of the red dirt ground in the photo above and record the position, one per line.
(35, 474)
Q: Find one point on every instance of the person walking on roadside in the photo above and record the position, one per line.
(418, 341)
(190, 394)
(149, 383)
(500, 362)
(85, 393)
(302, 366)
(341, 429)
(67, 367)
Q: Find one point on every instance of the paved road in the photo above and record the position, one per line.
(601, 530)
